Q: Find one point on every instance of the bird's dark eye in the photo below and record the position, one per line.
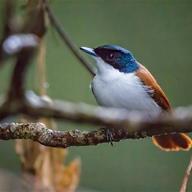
(111, 56)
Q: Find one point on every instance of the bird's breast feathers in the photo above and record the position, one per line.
(133, 91)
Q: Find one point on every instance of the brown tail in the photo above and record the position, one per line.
(174, 142)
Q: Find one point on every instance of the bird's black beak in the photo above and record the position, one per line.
(88, 50)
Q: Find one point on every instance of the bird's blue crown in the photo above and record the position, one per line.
(118, 57)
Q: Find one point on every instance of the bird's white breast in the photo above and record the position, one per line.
(123, 90)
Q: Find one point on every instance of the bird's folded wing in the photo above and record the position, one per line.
(157, 93)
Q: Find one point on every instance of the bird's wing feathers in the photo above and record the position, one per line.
(174, 142)
(157, 93)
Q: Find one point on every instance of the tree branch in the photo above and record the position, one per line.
(121, 128)
(110, 117)
(67, 40)
(7, 28)
(186, 177)
(180, 120)
(34, 24)
(48, 137)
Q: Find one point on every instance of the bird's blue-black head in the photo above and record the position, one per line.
(116, 56)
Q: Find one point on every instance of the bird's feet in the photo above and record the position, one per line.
(109, 136)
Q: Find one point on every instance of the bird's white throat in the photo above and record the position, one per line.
(102, 67)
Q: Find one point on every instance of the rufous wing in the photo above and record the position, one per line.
(172, 142)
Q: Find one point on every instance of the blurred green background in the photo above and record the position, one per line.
(159, 34)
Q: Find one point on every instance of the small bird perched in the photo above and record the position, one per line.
(122, 82)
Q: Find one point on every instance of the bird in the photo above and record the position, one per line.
(122, 82)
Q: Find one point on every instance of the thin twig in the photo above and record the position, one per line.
(67, 40)
(186, 177)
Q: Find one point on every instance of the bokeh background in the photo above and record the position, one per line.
(159, 34)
